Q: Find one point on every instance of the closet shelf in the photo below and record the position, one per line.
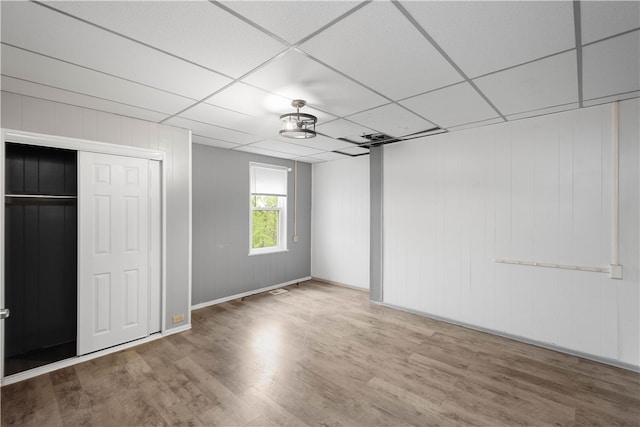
(40, 200)
(39, 196)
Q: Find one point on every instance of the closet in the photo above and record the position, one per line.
(40, 255)
(82, 248)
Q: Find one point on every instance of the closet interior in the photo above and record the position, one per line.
(40, 255)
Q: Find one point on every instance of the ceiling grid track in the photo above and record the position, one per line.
(374, 72)
(78, 93)
(426, 35)
(624, 33)
(231, 83)
(84, 21)
(531, 61)
(333, 22)
(249, 22)
(578, 32)
(289, 48)
(95, 71)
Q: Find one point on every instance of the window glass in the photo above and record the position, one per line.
(268, 201)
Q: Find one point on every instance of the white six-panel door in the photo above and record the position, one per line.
(113, 291)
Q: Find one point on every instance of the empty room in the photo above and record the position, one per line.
(320, 213)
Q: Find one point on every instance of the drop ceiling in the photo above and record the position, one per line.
(405, 69)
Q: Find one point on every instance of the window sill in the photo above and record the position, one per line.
(267, 251)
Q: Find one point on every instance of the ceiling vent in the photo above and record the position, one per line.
(378, 139)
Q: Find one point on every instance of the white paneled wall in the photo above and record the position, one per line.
(340, 221)
(53, 118)
(536, 190)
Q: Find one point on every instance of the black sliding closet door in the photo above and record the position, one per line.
(40, 256)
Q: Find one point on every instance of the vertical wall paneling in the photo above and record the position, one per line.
(89, 124)
(108, 128)
(426, 258)
(67, 120)
(11, 110)
(155, 246)
(546, 227)
(536, 190)
(340, 221)
(628, 296)
(222, 266)
(36, 115)
(178, 181)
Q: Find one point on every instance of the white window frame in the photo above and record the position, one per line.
(281, 208)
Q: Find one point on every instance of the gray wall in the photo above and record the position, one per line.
(53, 118)
(376, 181)
(221, 265)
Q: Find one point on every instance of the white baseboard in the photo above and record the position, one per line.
(344, 285)
(560, 349)
(246, 294)
(176, 330)
(21, 376)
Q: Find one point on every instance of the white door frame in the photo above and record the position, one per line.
(31, 138)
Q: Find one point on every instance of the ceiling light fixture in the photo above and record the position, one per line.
(298, 125)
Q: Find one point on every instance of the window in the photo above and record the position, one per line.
(268, 202)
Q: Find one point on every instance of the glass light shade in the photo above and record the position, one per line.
(298, 125)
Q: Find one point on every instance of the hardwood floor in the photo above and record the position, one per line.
(322, 355)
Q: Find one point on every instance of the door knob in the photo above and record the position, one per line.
(4, 313)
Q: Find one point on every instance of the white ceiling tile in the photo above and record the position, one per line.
(39, 29)
(329, 156)
(265, 152)
(392, 120)
(602, 19)
(150, 71)
(476, 124)
(198, 31)
(296, 76)
(214, 132)
(485, 36)
(355, 151)
(197, 139)
(250, 100)
(359, 139)
(308, 160)
(53, 94)
(451, 106)
(24, 65)
(320, 142)
(380, 63)
(260, 103)
(608, 99)
(543, 111)
(540, 84)
(285, 147)
(611, 66)
(291, 20)
(218, 116)
(267, 125)
(344, 129)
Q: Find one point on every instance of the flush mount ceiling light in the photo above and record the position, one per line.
(298, 125)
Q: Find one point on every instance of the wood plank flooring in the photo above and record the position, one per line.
(322, 355)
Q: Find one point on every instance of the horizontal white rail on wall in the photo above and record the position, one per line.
(551, 265)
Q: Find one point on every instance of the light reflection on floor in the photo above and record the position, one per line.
(267, 342)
